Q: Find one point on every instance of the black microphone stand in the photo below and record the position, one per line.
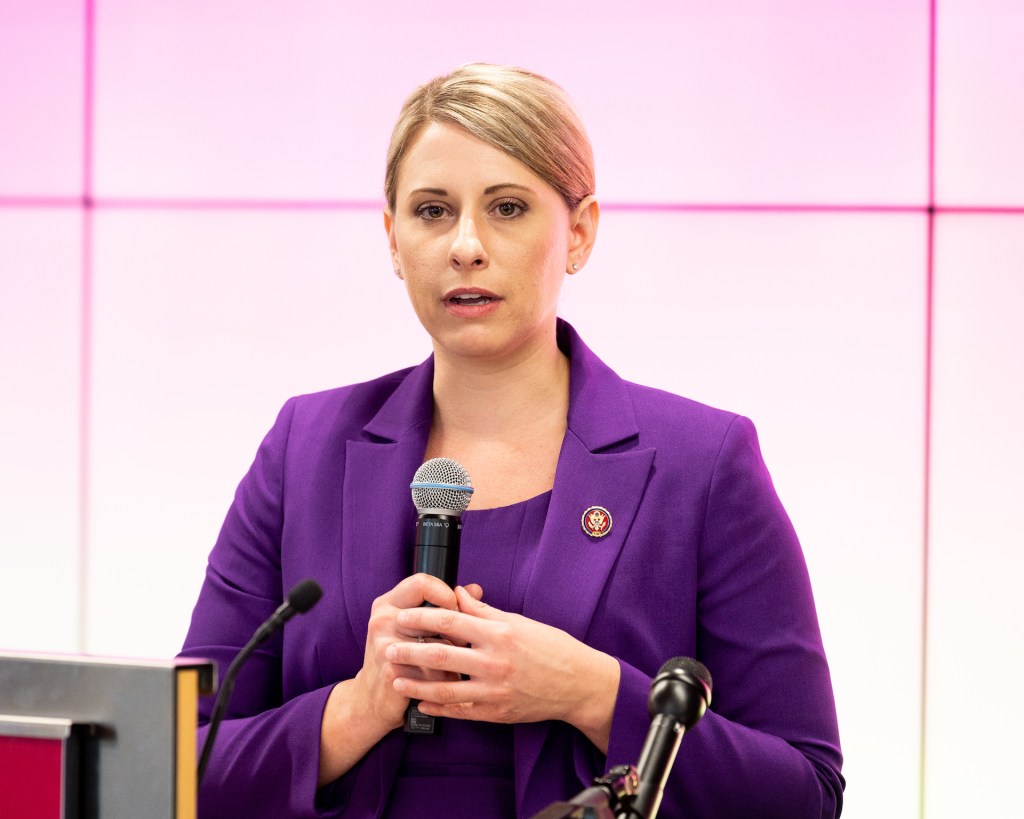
(302, 597)
(680, 694)
(608, 798)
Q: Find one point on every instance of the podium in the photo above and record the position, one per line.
(98, 738)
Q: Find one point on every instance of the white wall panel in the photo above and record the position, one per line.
(976, 630)
(745, 101)
(40, 334)
(979, 115)
(205, 323)
(801, 101)
(812, 325)
(41, 92)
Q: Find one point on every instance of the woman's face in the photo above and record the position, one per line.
(482, 244)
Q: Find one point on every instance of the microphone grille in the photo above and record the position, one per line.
(442, 483)
(690, 665)
(304, 595)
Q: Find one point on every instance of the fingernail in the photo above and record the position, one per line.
(391, 652)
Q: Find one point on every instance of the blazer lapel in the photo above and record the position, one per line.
(599, 465)
(572, 566)
(377, 534)
(378, 519)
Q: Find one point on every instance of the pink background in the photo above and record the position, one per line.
(813, 215)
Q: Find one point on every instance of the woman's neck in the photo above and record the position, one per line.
(509, 399)
(503, 421)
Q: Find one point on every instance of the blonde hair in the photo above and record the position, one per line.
(523, 114)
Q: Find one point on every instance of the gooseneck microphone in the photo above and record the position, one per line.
(441, 491)
(680, 695)
(303, 596)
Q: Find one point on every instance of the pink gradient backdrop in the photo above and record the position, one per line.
(977, 569)
(41, 97)
(189, 204)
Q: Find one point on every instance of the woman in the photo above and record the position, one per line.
(541, 662)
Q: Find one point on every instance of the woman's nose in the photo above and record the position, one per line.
(467, 251)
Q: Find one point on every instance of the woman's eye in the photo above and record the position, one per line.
(509, 208)
(431, 212)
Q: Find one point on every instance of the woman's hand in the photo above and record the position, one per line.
(360, 711)
(374, 680)
(519, 670)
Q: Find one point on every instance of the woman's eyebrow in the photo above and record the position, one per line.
(487, 191)
(504, 185)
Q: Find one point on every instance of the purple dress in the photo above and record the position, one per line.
(498, 547)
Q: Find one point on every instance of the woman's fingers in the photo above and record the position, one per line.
(475, 661)
(449, 691)
(373, 686)
(474, 590)
(440, 656)
(470, 597)
(473, 622)
(418, 589)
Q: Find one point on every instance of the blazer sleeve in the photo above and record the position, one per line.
(769, 744)
(266, 758)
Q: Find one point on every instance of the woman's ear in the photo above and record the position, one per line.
(582, 232)
(389, 228)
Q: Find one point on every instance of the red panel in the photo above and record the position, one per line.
(30, 777)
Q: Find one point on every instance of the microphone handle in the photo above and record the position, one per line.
(438, 537)
(656, 758)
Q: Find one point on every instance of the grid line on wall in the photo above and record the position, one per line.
(927, 420)
(93, 203)
(85, 345)
(926, 497)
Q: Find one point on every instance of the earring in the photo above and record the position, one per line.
(398, 272)
(575, 266)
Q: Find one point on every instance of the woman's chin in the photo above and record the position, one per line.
(478, 342)
(501, 345)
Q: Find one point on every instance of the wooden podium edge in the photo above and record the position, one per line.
(187, 682)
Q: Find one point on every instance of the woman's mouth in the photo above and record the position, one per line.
(471, 299)
(470, 303)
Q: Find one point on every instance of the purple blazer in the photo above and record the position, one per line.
(701, 561)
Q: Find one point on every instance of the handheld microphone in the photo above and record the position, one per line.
(302, 597)
(441, 491)
(680, 695)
